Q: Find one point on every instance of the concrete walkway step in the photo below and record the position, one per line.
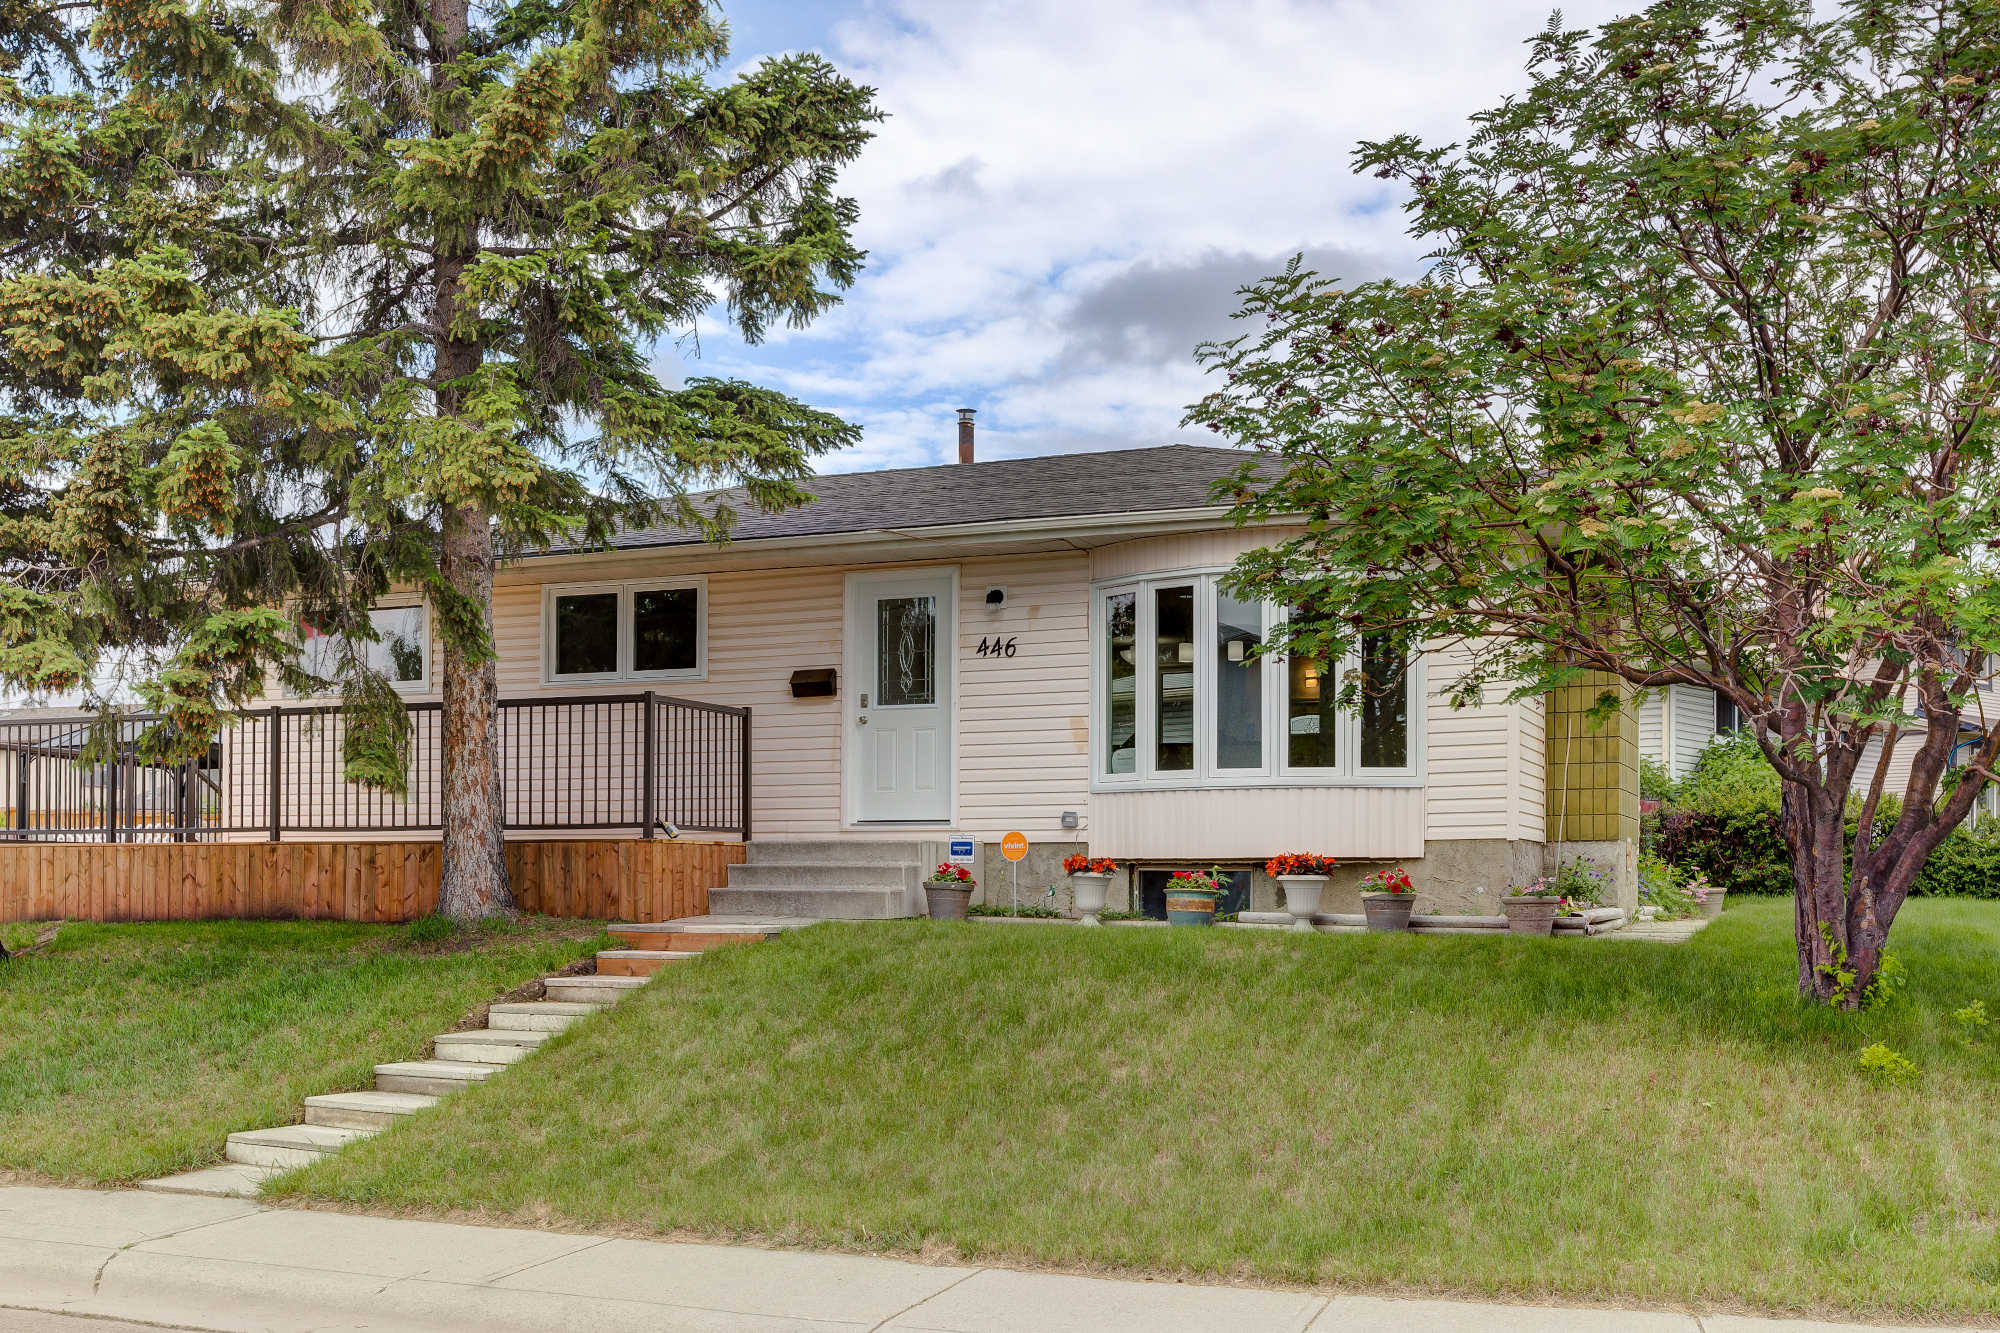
(435, 1077)
(287, 1146)
(594, 991)
(538, 1015)
(488, 1047)
(847, 874)
(365, 1110)
(638, 962)
(231, 1180)
(831, 897)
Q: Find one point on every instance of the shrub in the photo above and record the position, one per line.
(1732, 777)
(1887, 1066)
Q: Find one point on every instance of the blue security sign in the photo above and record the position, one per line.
(961, 852)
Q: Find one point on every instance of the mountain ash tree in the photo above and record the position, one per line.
(1697, 387)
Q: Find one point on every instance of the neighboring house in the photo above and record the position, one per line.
(1678, 722)
(937, 655)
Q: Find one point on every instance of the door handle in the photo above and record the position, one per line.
(860, 721)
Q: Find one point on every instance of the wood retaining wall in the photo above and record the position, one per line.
(626, 879)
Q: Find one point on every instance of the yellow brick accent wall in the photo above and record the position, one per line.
(1592, 773)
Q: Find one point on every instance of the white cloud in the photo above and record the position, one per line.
(1065, 196)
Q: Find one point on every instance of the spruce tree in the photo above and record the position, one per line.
(304, 299)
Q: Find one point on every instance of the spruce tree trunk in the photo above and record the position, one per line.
(474, 882)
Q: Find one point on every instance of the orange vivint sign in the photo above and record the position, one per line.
(1014, 846)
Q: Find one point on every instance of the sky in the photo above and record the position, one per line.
(1067, 193)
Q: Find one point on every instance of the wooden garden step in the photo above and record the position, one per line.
(638, 962)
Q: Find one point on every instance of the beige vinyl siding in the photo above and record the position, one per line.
(1473, 758)
(1526, 809)
(1024, 721)
(1236, 823)
(1211, 549)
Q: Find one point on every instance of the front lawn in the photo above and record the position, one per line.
(1587, 1119)
(133, 1051)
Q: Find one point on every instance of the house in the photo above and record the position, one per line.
(923, 660)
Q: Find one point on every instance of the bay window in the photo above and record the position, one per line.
(645, 629)
(1182, 700)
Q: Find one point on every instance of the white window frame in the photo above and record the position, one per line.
(1275, 771)
(626, 590)
(399, 601)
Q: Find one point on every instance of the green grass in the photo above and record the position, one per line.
(133, 1051)
(1595, 1120)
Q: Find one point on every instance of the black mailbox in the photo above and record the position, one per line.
(815, 683)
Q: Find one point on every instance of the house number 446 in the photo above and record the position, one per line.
(997, 647)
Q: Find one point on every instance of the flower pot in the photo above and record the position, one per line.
(1712, 905)
(1388, 911)
(1530, 916)
(1302, 898)
(1088, 892)
(947, 902)
(1192, 907)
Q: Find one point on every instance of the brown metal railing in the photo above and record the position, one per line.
(644, 762)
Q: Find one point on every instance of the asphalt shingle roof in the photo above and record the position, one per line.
(1120, 481)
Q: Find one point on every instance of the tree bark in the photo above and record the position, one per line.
(474, 878)
(474, 881)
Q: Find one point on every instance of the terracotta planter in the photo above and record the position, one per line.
(1088, 891)
(947, 902)
(1712, 905)
(1302, 898)
(1530, 916)
(1192, 907)
(1388, 911)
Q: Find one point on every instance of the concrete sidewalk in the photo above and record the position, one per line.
(228, 1264)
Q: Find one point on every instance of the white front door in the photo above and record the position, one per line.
(901, 637)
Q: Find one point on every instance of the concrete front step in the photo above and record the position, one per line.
(231, 1180)
(836, 874)
(538, 1015)
(841, 851)
(287, 1146)
(593, 991)
(433, 1077)
(489, 1046)
(638, 962)
(365, 1110)
(829, 900)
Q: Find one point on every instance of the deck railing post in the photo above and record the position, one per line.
(21, 793)
(743, 764)
(111, 793)
(277, 774)
(649, 749)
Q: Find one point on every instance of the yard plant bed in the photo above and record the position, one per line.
(1596, 1120)
(133, 1051)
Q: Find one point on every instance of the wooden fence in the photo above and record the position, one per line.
(629, 879)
